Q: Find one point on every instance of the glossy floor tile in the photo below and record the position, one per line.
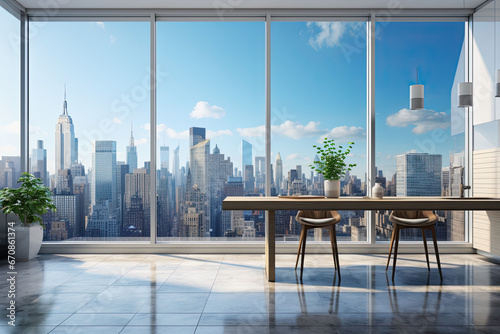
(230, 294)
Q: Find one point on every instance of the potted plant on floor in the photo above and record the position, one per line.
(332, 165)
(29, 202)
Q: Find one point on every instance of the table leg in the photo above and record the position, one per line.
(270, 250)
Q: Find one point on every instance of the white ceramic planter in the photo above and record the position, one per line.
(378, 191)
(332, 188)
(28, 242)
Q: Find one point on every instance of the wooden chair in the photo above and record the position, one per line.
(317, 219)
(424, 220)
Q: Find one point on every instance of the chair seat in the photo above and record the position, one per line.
(318, 221)
(411, 221)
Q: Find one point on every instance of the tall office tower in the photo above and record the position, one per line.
(249, 179)
(299, 171)
(103, 172)
(70, 208)
(39, 163)
(164, 157)
(196, 135)
(246, 154)
(165, 204)
(380, 173)
(445, 181)
(279, 173)
(193, 211)
(260, 173)
(198, 164)
(77, 169)
(220, 169)
(198, 167)
(66, 143)
(131, 153)
(64, 182)
(10, 171)
(137, 203)
(122, 170)
(175, 168)
(418, 174)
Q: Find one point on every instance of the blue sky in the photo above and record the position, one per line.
(212, 75)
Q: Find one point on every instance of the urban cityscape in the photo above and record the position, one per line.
(110, 200)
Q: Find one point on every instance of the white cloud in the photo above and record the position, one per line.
(8, 149)
(289, 129)
(13, 127)
(218, 133)
(116, 120)
(424, 120)
(101, 25)
(112, 39)
(330, 33)
(347, 133)
(258, 131)
(204, 110)
(292, 156)
(36, 130)
(141, 141)
(147, 126)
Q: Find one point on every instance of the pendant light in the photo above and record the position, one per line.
(417, 96)
(465, 94)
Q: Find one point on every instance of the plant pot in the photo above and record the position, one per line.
(28, 242)
(332, 188)
(377, 191)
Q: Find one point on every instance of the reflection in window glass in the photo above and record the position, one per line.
(211, 117)
(318, 73)
(420, 152)
(89, 128)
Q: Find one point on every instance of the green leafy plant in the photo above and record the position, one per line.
(331, 161)
(29, 202)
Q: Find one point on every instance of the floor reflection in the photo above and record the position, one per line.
(230, 294)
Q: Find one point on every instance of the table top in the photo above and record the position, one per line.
(360, 203)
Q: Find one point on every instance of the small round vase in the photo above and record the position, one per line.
(378, 191)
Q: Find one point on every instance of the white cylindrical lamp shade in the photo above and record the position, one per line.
(498, 84)
(416, 97)
(465, 94)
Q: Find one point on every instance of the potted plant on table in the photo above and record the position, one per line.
(29, 202)
(332, 165)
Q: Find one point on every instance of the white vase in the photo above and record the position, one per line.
(378, 191)
(332, 188)
(28, 241)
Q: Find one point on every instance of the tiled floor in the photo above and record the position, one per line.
(229, 294)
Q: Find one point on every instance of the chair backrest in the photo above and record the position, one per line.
(410, 214)
(315, 214)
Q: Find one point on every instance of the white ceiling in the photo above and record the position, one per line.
(256, 4)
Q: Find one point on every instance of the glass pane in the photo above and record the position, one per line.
(318, 73)
(211, 118)
(89, 90)
(420, 151)
(10, 126)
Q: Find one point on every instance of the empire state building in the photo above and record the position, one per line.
(66, 143)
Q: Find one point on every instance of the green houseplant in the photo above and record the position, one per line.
(332, 165)
(29, 202)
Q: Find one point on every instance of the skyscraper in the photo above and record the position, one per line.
(196, 135)
(39, 163)
(246, 154)
(279, 173)
(103, 171)
(418, 174)
(175, 168)
(66, 143)
(164, 157)
(131, 153)
(198, 164)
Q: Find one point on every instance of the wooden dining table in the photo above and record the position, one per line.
(273, 203)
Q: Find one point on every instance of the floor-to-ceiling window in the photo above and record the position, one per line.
(10, 125)
(210, 130)
(89, 127)
(420, 139)
(318, 91)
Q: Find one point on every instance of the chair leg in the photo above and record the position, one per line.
(303, 253)
(395, 251)
(436, 251)
(390, 248)
(300, 245)
(333, 247)
(334, 234)
(426, 251)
